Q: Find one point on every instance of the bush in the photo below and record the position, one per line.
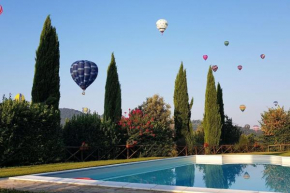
(90, 129)
(29, 133)
(141, 129)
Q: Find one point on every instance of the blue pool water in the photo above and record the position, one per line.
(256, 177)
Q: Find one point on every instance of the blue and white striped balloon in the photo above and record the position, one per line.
(84, 73)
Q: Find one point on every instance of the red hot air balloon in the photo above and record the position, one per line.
(1, 9)
(214, 68)
(262, 56)
(240, 67)
(205, 57)
(256, 128)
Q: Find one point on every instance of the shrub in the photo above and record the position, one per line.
(141, 129)
(90, 129)
(29, 133)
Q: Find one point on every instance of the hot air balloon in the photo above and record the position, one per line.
(19, 97)
(84, 73)
(227, 43)
(247, 126)
(275, 103)
(1, 9)
(242, 108)
(240, 67)
(256, 128)
(246, 175)
(262, 56)
(205, 57)
(85, 109)
(214, 68)
(161, 25)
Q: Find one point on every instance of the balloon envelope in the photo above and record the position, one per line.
(240, 67)
(247, 126)
(84, 73)
(256, 127)
(227, 43)
(19, 97)
(85, 110)
(275, 103)
(246, 175)
(205, 57)
(262, 56)
(1, 9)
(161, 25)
(214, 68)
(242, 108)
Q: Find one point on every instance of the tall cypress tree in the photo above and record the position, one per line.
(212, 118)
(46, 76)
(112, 106)
(221, 110)
(182, 109)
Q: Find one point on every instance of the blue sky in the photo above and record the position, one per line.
(147, 61)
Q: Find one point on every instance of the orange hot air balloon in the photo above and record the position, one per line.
(242, 108)
(246, 175)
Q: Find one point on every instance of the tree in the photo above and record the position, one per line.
(212, 119)
(182, 109)
(157, 108)
(275, 125)
(231, 133)
(112, 106)
(221, 111)
(46, 76)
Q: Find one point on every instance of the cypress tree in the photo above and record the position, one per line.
(46, 75)
(221, 110)
(182, 109)
(112, 106)
(212, 118)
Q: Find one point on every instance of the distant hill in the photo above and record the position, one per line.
(250, 131)
(66, 113)
(195, 124)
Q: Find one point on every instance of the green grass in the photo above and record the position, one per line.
(26, 170)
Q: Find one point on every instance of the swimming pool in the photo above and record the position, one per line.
(212, 173)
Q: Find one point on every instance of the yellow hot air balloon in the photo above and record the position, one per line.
(19, 97)
(246, 175)
(242, 108)
(85, 110)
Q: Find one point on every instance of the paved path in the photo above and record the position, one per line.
(62, 188)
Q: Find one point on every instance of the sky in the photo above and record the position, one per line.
(147, 61)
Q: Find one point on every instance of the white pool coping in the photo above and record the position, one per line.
(198, 159)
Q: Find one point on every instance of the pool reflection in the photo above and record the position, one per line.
(229, 176)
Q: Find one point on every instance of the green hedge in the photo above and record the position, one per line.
(29, 133)
(90, 129)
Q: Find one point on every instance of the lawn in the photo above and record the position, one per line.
(26, 170)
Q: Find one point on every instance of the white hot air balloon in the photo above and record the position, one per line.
(161, 25)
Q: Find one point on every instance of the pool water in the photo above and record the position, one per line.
(182, 172)
(232, 176)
